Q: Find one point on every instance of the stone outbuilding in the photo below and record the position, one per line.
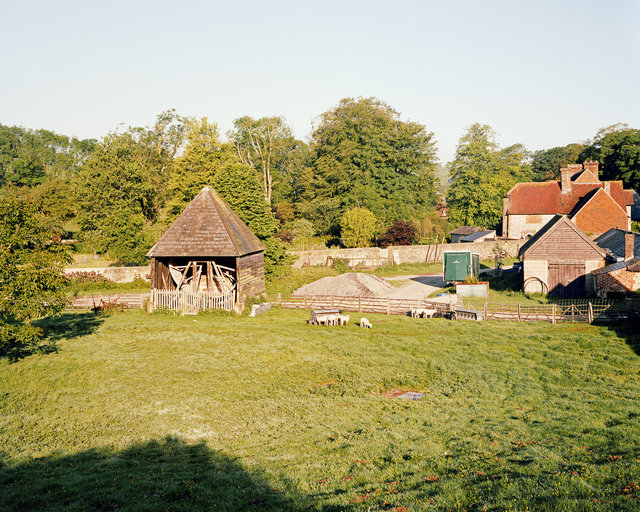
(209, 249)
(559, 260)
(623, 276)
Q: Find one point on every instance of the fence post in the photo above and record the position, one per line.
(553, 313)
(359, 304)
(485, 309)
(279, 298)
(388, 305)
(590, 314)
(332, 306)
(519, 318)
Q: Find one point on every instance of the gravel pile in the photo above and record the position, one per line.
(347, 285)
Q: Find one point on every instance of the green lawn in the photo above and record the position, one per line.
(217, 412)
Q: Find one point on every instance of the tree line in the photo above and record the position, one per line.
(364, 176)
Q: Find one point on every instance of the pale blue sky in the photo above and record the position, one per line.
(543, 73)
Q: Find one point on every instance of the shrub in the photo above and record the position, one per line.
(400, 232)
(302, 228)
(358, 225)
(286, 235)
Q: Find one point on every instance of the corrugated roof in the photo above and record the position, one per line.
(613, 241)
(207, 227)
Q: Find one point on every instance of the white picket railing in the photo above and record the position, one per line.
(190, 302)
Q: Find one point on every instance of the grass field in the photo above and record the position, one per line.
(217, 412)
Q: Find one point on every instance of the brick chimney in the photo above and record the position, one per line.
(567, 173)
(592, 166)
(629, 243)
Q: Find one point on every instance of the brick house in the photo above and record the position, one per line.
(624, 275)
(559, 260)
(595, 206)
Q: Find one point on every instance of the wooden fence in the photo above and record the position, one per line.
(190, 302)
(598, 310)
(127, 300)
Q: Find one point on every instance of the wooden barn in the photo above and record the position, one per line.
(559, 259)
(208, 258)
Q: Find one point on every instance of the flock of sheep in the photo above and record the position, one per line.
(327, 318)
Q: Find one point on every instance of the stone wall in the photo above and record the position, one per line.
(523, 225)
(375, 256)
(620, 280)
(115, 274)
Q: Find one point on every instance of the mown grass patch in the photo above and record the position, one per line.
(162, 412)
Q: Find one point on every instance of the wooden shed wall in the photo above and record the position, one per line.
(161, 277)
(250, 271)
(563, 245)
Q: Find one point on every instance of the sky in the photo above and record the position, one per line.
(543, 73)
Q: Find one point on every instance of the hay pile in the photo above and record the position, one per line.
(347, 285)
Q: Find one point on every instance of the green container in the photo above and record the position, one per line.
(457, 265)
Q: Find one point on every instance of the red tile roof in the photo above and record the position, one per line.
(547, 197)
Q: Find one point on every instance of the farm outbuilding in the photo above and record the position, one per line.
(623, 276)
(559, 260)
(210, 253)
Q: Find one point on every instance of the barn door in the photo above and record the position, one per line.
(567, 279)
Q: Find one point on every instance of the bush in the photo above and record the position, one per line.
(400, 232)
(277, 262)
(286, 235)
(303, 228)
(358, 225)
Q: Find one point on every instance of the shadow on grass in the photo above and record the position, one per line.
(68, 326)
(55, 328)
(629, 331)
(159, 475)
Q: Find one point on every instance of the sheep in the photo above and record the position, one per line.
(343, 319)
(365, 324)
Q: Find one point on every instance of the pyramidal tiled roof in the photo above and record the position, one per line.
(207, 227)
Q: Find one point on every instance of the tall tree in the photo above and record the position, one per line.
(260, 143)
(481, 174)
(32, 281)
(204, 155)
(365, 155)
(546, 163)
(617, 148)
(117, 191)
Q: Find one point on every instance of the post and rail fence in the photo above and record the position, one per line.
(598, 310)
(562, 311)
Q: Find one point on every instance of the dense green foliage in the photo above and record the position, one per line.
(357, 227)
(481, 175)
(32, 283)
(270, 413)
(364, 155)
(617, 148)
(546, 163)
(263, 144)
(116, 196)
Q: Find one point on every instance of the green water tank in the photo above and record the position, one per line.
(457, 265)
